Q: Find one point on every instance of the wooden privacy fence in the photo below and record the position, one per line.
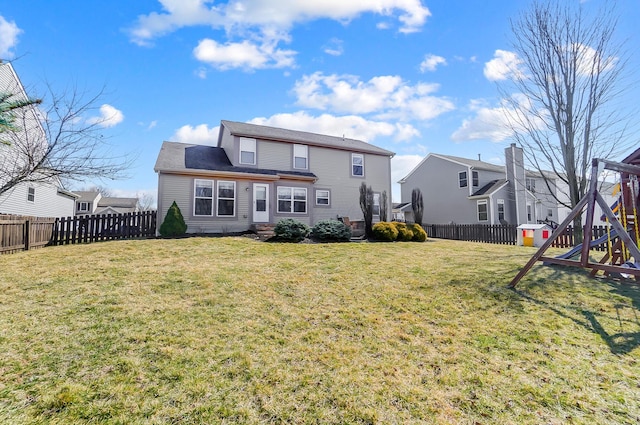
(93, 228)
(19, 233)
(504, 234)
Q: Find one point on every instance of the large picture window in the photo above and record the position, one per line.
(247, 151)
(357, 164)
(203, 198)
(483, 212)
(300, 157)
(292, 200)
(226, 198)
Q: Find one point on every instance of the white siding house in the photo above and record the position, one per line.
(41, 199)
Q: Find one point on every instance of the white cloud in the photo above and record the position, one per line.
(401, 165)
(504, 65)
(431, 62)
(334, 47)
(109, 117)
(264, 24)
(350, 126)
(385, 96)
(198, 135)
(242, 55)
(9, 32)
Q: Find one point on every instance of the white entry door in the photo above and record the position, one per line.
(260, 203)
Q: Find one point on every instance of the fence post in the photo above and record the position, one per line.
(27, 231)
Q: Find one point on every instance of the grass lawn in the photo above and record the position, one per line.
(230, 330)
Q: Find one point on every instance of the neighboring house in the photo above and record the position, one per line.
(39, 199)
(92, 202)
(467, 191)
(260, 175)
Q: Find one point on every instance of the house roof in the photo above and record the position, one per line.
(87, 195)
(474, 163)
(489, 188)
(118, 202)
(294, 136)
(181, 158)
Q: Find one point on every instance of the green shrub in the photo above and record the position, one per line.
(385, 231)
(173, 224)
(290, 230)
(331, 231)
(405, 234)
(419, 234)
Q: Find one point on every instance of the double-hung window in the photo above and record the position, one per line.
(83, 207)
(323, 197)
(203, 198)
(226, 198)
(531, 185)
(247, 151)
(292, 200)
(357, 165)
(376, 204)
(31, 194)
(300, 157)
(500, 209)
(483, 212)
(475, 178)
(462, 179)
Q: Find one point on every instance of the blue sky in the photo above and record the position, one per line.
(410, 76)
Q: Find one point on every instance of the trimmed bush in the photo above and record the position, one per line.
(419, 234)
(405, 234)
(331, 231)
(385, 231)
(173, 224)
(290, 230)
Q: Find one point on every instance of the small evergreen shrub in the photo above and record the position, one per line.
(385, 231)
(331, 231)
(405, 234)
(419, 234)
(173, 224)
(290, 230)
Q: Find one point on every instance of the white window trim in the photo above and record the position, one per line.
(485, 203)
(530, 214)
(353, 156)
(218, 198)
(475, 179)
(466, 179)
(247, 145)
(328, 197)
(301, 151)
(31, 193)
(195, 197)
(293, 200)
(501, 202)
(86, 206)
(376, 197)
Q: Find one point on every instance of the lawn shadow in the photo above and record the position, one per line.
(620, 342)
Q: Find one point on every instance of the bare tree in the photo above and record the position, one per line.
(562, 90)
(146, 201)
(417, 205)
(62, 141)
(366, 205)
(384, 210)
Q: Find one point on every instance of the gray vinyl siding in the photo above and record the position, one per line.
(181, 189)
(47, 202)
(444, 200)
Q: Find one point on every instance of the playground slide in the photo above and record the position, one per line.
(576, 249)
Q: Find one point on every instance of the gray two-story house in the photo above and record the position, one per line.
(467, 191)
(260, 175)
